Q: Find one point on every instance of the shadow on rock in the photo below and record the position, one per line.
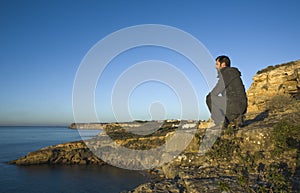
(259, 117)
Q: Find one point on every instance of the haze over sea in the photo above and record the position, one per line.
(18, 141)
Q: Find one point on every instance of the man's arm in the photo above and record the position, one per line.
(218, 89)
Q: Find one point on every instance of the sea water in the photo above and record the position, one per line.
(18, 141)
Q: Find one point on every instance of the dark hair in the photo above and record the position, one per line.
(224, 59)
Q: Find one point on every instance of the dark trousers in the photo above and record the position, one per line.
(217, 108)
(221, 111)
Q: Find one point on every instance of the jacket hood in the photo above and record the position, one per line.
(229, 73)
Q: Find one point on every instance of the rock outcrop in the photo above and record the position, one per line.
(281, 79)
(263, 156)
(73, 153)
(139, 135)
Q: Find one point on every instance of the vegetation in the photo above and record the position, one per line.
(275, 178)
(252, 168)
(269, 68)
(223, 186)
(286, 137)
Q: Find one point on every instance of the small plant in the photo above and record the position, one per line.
(279, 177)
(230, 130)
(243, 178)
(223, 186)
(269, 68)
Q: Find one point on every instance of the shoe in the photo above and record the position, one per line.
(239, 121)
(224, 125)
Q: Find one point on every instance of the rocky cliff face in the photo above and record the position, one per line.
(263, 156)
(282, 79)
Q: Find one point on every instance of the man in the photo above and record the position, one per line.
(227, 101)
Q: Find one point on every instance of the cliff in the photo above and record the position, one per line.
(262, 156)
(281, 79)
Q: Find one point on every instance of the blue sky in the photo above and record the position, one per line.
(42, 44)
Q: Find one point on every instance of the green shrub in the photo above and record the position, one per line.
(224, 148)
(286, 136)
(223, 186)
(279, 177)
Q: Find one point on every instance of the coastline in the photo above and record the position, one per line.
(263, 155)
(18, 141)
(249, 147)
(86, 126)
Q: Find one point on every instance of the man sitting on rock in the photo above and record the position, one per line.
(227, 102)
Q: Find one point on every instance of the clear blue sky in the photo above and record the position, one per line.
(42, 44)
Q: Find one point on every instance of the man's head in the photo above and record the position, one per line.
(222, 61)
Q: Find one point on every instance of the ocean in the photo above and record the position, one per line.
(18, 141)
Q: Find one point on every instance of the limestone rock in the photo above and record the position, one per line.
(62, 154)
(272, 81)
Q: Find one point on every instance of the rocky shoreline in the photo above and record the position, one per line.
(247, 160)
(261, 156)
(71, 153)
(83, 152)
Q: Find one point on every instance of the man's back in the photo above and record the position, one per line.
(236, 98)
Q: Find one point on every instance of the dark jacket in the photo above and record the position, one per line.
(230, 85)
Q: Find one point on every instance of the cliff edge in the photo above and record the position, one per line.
(282, 79)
